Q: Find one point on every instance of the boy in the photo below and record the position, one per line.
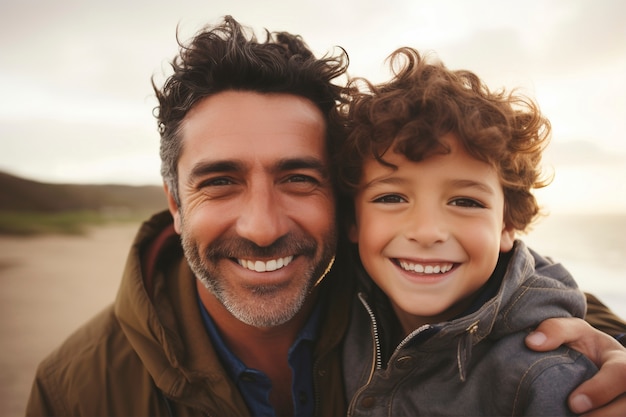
(440, 170)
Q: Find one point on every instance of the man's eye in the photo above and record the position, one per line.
(216, 182)
(466, 202)
(302, 178)
(389, 199)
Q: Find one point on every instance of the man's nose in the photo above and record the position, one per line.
(262, 219)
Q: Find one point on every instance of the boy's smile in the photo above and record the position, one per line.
(430, 232)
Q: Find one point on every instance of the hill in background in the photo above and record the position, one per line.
(29, 207)
(19, 194)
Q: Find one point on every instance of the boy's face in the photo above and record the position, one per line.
(430, 232)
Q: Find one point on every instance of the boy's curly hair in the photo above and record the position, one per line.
(425, 101)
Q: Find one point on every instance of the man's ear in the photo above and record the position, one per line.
(507, 238)
(173, 207)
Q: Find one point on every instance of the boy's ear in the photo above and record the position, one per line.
(507, 238)
(173, 207)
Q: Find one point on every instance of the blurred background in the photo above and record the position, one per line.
(76, 108)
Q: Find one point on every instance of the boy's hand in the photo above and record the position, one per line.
(605, 393)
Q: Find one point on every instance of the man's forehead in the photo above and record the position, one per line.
(248, 108)
(246, 120)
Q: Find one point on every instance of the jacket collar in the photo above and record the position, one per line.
(157, 311)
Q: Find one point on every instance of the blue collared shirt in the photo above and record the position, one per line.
(255, 386)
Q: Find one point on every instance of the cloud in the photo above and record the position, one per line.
(56, 151)
(72, 70)
(579, 153)
(588, 35)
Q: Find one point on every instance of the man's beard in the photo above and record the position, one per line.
(262, 305)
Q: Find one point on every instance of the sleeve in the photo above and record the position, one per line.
(545, 392)
(598, 315)
(602, 318)
(39, 402)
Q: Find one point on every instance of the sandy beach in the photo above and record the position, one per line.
(50, 286)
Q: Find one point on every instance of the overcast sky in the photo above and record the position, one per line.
(76, 101)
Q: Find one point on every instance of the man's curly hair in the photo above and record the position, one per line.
(228, 56)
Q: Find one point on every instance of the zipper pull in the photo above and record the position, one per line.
(464, 349)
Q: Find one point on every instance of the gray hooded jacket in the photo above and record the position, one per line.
(476, 364)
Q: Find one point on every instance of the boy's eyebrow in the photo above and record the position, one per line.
(457, 183)
(384, 180)
(463, 183)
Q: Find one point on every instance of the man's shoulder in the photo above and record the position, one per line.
(89, 363)
(86, 353)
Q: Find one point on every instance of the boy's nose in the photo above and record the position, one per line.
(426, 226)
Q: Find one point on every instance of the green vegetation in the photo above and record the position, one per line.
(29, 207)
(66, 222)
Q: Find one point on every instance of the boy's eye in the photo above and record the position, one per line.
(466, 202)
(389, 199)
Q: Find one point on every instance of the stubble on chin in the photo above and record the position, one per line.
(259, 306)
(262, 305)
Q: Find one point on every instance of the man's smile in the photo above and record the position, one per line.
(265, 266)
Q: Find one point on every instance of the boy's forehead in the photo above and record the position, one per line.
(401, 152)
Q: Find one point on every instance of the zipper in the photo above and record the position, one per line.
(377, 361)
(410, 336)
(376, 358)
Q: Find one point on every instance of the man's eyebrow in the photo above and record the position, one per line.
(290, 164)
(204, 168)
(209, 167)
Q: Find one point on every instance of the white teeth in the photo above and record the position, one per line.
(427, 269)
(269, 266)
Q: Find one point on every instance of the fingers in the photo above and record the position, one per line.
(555, 332)
(605, 392)
(608, 383)
(615, 409)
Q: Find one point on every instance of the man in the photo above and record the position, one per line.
(241, 315)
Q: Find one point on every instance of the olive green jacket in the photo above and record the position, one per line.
(149, 353)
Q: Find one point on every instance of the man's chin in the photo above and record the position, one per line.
(262, 305)
(266, 313)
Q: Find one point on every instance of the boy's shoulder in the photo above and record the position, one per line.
(536, 382)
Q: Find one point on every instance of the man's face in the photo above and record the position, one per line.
(257, 212)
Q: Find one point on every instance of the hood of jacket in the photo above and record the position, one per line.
(157, 310)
